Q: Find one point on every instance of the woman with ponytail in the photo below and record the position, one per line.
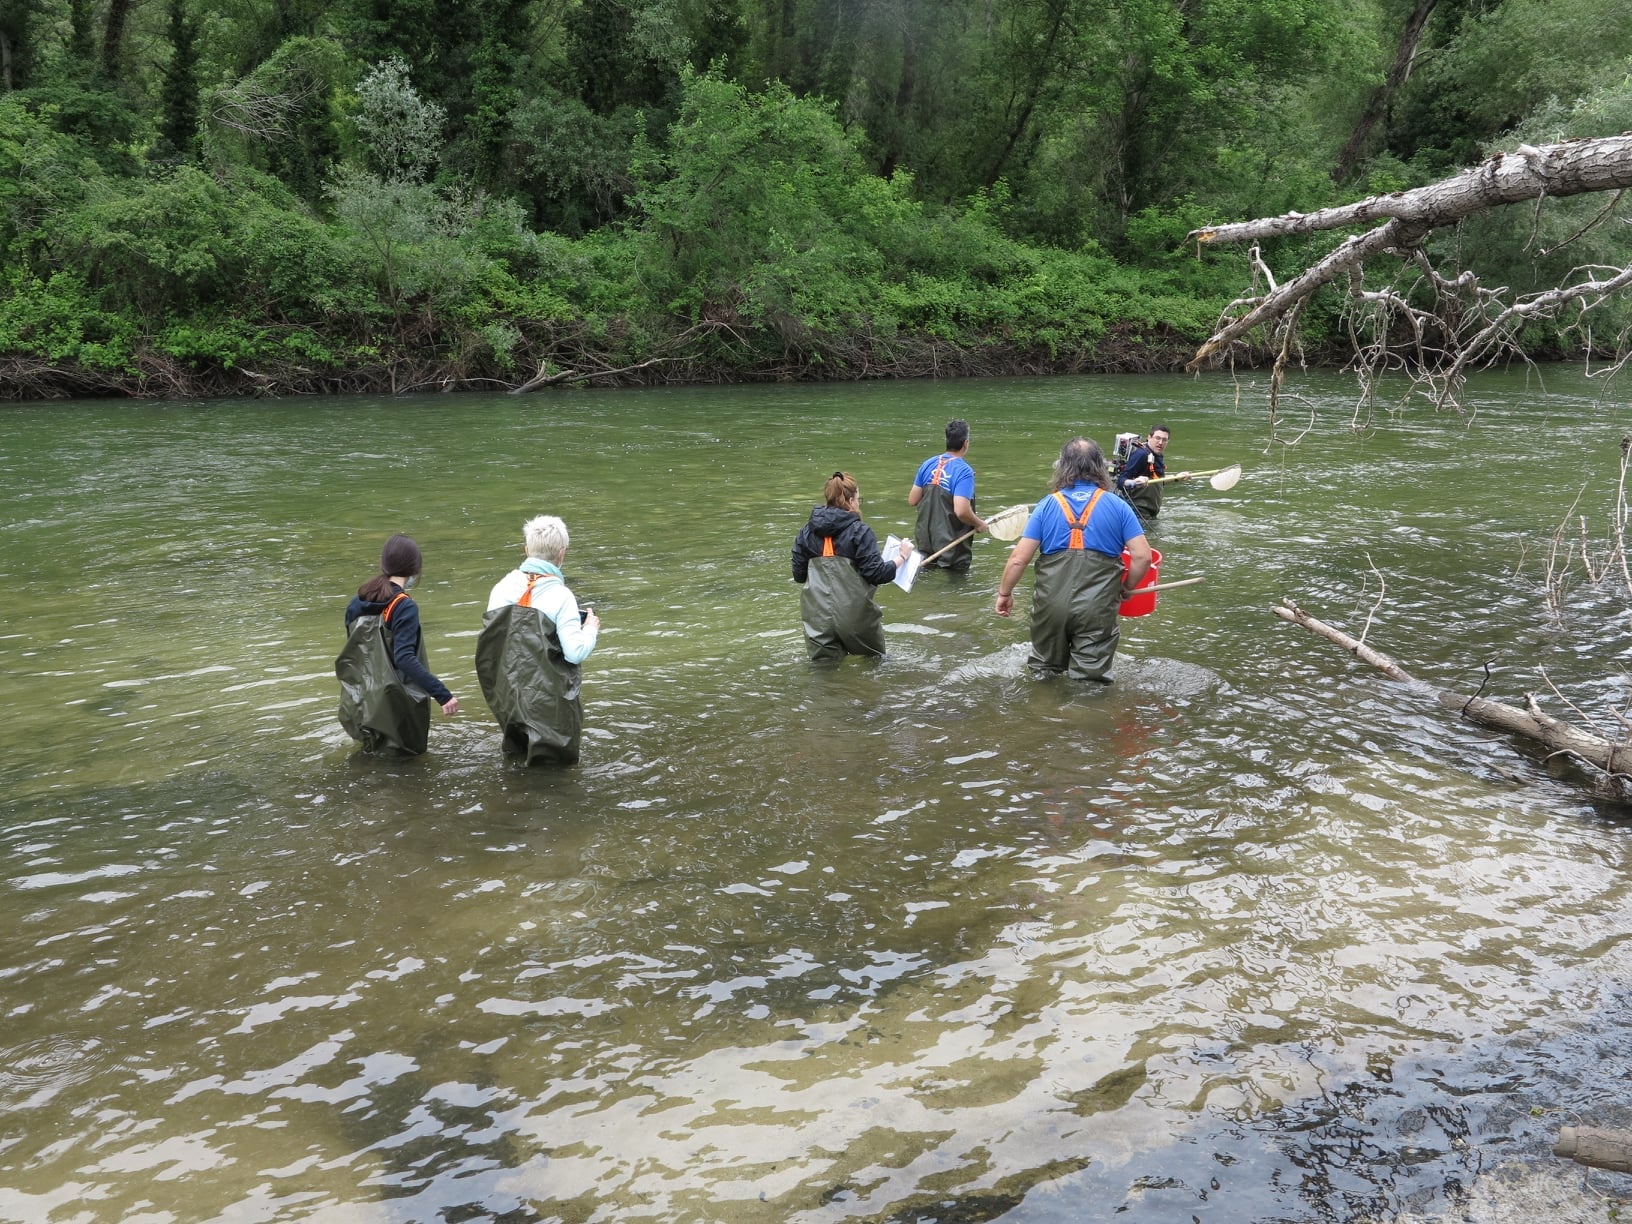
(836, 560)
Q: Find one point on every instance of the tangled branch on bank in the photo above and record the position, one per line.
(567, 354)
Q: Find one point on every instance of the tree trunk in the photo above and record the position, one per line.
(81, 26)
(1591, 1145)
(1043, 60)
(1573, 167)
(113, 37)
(904, 88)
(1405, 57)
(5, 62)
(1612, 757)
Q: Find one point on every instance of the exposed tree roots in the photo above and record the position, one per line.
(568, 355)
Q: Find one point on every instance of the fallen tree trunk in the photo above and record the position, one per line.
(1449, 324)
(1610, 759)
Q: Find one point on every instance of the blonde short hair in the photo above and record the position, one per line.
(546, 538)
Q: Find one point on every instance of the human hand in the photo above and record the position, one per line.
(450, 706)
(591, 621)
(1005, 603)
(1136, 481)
(906, 551)
(1184, 475)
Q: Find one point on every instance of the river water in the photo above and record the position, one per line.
(1253, 933)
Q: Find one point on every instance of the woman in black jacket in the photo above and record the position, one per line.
(384, 682)
(836, 560)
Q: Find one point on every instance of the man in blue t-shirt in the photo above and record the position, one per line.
(1081, 530)
(944, 492)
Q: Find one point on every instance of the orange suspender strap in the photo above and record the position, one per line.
(935, 480)
(827, 547)
(385, 617)
(526, 600)
(1072, 521)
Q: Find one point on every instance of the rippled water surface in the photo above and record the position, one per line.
(1252, 934)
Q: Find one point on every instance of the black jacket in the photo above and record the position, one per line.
(405, 634)
(851, 538)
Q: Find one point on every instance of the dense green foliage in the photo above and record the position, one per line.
(287, 193)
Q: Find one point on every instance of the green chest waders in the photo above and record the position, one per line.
(1146, 499)
(1074, 623)
(384, 713)
(528, 684)
(838, 609)
(938, 526)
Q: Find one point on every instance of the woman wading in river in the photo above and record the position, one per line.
(385, 687)
(836, 560)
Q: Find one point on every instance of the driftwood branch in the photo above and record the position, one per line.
(1613, 758)
(543, 379)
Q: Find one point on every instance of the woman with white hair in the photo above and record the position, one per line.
(533, 638)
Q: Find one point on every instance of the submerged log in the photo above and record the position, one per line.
(1602, 1149)
(1612, 759)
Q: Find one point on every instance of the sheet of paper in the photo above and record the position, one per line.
(904, 574)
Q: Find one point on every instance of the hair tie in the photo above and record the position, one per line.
(838, 476)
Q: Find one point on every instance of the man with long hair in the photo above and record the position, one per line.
(1078, 534)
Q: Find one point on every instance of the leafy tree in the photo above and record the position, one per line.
(16, 43)
(43, 171)
(113, 37)
(762, 208)
(614, 65)
(100, 119)
(401, 131)
(1495, 63)
(572, 163)
(492, 59)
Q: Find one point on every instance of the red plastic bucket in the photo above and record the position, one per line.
(1141, 605)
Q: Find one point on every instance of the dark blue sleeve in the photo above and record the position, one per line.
(1135, 466)
(801, 559)
(405, 635)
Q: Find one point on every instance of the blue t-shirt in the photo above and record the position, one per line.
(1110, 527)
(958, 479)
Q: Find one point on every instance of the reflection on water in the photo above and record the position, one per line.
(1249, 934)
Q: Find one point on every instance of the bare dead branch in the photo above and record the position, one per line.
(1597, 220)
(1382, 592)
(542, 379)
(1467, 326)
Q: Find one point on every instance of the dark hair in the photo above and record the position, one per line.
(957, 434)
(1160, 429)
(840, 489)
(399, 556)
(1080, 459)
